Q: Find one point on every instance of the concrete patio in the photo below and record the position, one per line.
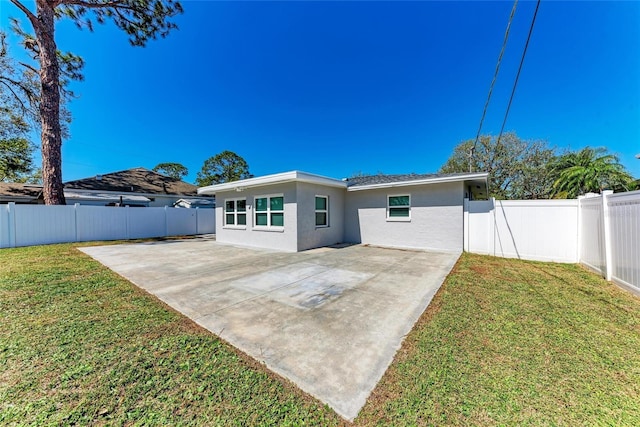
(328, 319)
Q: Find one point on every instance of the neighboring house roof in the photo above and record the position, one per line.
(22, 193)
(136, 180)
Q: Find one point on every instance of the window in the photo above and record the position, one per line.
(269, 211)
(235, 212)
(322, 211)
(399, 207)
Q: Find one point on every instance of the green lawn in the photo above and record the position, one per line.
(504, 342)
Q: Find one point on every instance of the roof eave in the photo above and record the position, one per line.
(279, 178)
(86, 190)
(427, 181)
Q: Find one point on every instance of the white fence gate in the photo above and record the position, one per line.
(27, 225)
(599, 231)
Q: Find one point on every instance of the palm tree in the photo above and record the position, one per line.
(589, 170)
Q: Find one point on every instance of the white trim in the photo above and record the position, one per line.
(325, 211)
(398, 218)
(268, 212)
(437, 180)
(179, 195)
(278, 178)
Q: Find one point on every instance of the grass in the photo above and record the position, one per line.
(504, 342)
(80, 345)
(508, 342)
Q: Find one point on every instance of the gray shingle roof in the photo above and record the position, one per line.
(136, 180)
(10, 191)
(387, 179)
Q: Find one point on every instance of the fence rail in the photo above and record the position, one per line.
(27, 225)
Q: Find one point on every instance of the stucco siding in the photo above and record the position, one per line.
(284, 239)
(436, 218)
(310, 236)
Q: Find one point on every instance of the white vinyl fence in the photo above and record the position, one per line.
(599, 231)
(26, 225)
(610, 227)
(541, 230)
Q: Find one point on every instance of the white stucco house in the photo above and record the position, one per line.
(295, 211)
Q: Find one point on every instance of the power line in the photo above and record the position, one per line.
(515, 83)
(493, 82)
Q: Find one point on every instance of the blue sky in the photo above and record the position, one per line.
(336, 88)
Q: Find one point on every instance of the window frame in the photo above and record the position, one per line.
(325, 210)
(268, 212)
(390, 208)
(235, 213)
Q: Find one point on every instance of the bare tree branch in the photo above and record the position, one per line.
(15, 95)
(89, 5)
(29, 67)
(33, 18)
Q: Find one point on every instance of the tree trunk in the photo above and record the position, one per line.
(51, 137)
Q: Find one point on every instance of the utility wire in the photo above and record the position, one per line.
(515, 83)
(493, 82)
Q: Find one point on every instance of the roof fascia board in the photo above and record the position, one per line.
(11, 198)
(102, 197)
(87, 191)
(427, 181)
(279, 178)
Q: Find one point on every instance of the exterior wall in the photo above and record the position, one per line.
(436, 217)
(310, 236)
(285, 239)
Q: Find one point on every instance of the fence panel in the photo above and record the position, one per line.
(101, 223)
(27, 225)
(206, 219)
(542, 230)
(592, 244)
(146, 222)
(624, 217)
(37, 225)
(4, 226)
(479, 233)
(181, 222)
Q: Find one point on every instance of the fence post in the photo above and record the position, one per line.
(465, 225)
(579, 236)
(166, 222)
(492, 227)
(197, 213)
(606, 222)
(75, 221)
(127, 212)
(12, 224)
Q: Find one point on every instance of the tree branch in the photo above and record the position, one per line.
(110, 4)
(29, 67)
(32, 18)
(15, 95)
